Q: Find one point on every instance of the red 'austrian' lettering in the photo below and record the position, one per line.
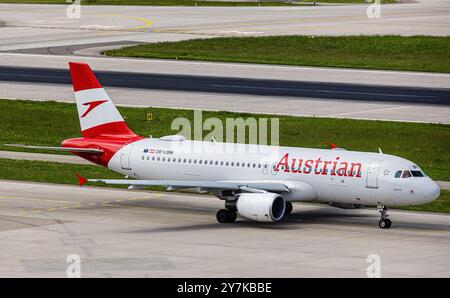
(319, 166)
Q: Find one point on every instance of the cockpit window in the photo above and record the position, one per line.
(406, 174)
(398, 174)
(417, 173)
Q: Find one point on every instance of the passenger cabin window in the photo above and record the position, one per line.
(406, 174)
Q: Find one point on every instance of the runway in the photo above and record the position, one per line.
(175, 82)
(119, 233)
(358, 94)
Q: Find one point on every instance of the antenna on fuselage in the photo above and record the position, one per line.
(379, 150)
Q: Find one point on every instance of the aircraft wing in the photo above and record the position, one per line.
(249, 186)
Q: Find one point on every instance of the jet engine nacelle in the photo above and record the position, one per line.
(267, 207)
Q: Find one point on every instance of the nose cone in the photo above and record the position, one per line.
(434, 191)
(431, 191)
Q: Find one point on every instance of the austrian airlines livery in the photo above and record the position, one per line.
(252, 185)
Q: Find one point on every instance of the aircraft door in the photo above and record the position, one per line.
(125, 157)
(372, 174)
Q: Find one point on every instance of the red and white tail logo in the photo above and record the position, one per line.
(97, 113)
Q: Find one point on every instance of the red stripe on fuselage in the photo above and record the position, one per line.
(108, 144)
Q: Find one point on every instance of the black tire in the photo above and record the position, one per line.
(226, 216)
(388, 222)
(288, 209)
(222, 216)
(385, 223)
(233, 216)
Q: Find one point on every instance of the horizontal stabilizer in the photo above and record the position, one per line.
(67, 149)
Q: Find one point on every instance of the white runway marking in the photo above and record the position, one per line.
(371, 111)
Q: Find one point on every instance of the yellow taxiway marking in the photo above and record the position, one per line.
(160, 209)
(40, 200)
(313, 22)
(72, 205)
(147, 22)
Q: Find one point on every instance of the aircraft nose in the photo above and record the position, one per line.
(432, 191)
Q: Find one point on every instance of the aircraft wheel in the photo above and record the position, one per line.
(385, 223)
(226, 216)
(289, 208)
(233, 216)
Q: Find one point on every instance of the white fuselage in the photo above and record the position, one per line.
(335, 176)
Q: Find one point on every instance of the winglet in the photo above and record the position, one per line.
(333, 146)
(82, 179)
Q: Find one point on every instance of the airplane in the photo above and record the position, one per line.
(258, 187)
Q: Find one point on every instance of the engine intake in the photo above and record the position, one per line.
(265, 207)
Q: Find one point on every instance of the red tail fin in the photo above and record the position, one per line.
(97, 113)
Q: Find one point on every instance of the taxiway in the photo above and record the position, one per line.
(120, 233)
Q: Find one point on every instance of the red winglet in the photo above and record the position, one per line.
(333, 146)
(82, 179)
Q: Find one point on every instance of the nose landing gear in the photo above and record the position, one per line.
(385, 222)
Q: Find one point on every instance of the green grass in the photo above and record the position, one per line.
(53, 172)
(157, 2)
(441, 204)
(180, 2)
(417, 53)
(48, 123)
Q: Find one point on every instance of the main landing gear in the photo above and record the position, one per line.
(226, 216)
(385, 222)
(288, 209)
